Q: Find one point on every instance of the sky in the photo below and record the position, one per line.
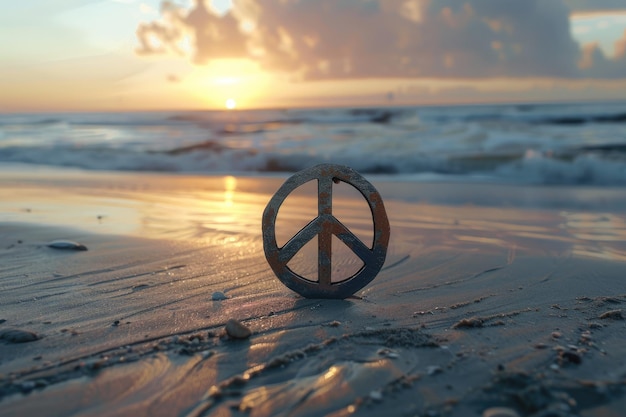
(117, 55)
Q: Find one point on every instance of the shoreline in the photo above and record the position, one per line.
(504, 304)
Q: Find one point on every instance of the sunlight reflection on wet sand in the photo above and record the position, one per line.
(201, 208)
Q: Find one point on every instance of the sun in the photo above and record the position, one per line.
(228, 84)
(230, 104)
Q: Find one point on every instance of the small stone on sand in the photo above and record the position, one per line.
(570, 357)
(470, 322)
(237, 330)
(67, 245)
(218, 296)
(500, 412)
(376, 395)
(434, 369)
(18, 336)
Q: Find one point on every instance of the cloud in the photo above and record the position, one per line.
(595, 61)
(198, 32)
(330, 39)
(594, 5)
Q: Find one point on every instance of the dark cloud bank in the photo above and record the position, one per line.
(335, 39)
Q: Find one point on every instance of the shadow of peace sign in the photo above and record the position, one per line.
(325, 225)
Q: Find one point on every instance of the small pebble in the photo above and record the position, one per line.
(18, 336)
(376, 395)
(500, 412)
(67, 245)
(27, 386)
(556, 335)
(218, 296)
(433, 370)
(571, 357)
(185, 351)
(470, 322)
(237, 330)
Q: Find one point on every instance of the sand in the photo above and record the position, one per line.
(494, 298)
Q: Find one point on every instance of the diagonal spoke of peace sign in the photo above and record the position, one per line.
(325, 225)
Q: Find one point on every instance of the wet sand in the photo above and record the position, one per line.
(492, 296)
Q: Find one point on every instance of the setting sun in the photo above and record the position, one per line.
(231, 104)
(223, 83)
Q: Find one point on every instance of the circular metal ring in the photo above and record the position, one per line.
(325, 225)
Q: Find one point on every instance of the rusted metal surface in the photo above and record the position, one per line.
(325, 225)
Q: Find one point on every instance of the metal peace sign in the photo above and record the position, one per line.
(325, 225)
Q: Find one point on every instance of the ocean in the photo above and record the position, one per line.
(566, 143)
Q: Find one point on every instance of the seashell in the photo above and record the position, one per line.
(67, 245)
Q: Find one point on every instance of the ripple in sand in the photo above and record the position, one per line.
(613, 315)
(338, 375)
(321, 393)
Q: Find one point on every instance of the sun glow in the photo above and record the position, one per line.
(229, 83)
(231, 104)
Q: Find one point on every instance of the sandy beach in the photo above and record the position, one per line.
(493, 298)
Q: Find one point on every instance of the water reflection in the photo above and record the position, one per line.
(152, 207)
(598, 235)
(230, 185)
(472, 228)
(227, 209)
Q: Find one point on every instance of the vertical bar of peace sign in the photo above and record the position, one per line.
(325, 225)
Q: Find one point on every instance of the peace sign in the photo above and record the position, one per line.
(325, 225)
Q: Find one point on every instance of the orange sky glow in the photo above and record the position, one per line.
(117, 55)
